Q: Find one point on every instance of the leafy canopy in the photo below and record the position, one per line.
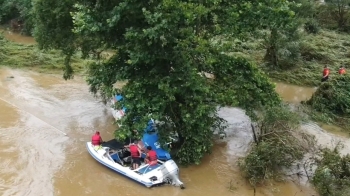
(163, 48)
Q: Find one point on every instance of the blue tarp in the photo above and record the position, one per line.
(119, 98)
(151, 139)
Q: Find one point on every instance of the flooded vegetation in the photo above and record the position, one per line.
(16, 37)
(19, 51)
(39, 107)
(35, 106)
(45, 121)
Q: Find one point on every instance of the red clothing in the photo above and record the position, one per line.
(152, 157)
(325, 72)
(96, 140)
(342, 71)
(134, 150)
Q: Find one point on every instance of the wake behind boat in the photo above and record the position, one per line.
(115, 156)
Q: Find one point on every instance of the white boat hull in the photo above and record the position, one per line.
(164, 172)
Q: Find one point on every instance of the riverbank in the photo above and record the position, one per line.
(317, 50)
(18, 51)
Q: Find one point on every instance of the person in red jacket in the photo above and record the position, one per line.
(135, 155)
(96, 139)
(326, 72)
(342, 70)
(151, 157)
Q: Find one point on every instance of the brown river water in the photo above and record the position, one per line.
(37, 158)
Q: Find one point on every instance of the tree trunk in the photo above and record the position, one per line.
(341, 14)
(271, 50)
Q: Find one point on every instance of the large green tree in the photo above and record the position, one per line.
(163, 48)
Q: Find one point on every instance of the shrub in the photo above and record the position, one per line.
(332, 176)
(276, 146)
(333, 97)
(312, 26)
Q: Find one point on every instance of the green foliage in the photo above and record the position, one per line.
(317, 50)
(332, 176)
(53, 28)
(333, 97)
(11, 9)
(281, 39)
(330, 103)
(312, 26)
(306, 11)
(276, 146)
(163, 49)
(339, 12)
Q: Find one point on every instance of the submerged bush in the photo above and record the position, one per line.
(312, 26)
(333, 97)
(332, 176)
(276, 146)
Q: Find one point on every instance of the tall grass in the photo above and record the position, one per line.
(29, 56)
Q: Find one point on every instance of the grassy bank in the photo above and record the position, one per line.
(30, 57)
(317, 50)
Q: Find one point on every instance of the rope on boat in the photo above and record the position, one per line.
(34, 116)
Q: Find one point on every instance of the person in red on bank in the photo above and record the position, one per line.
(341, 70)
(151, 157)
(326, 72)
(96, 139)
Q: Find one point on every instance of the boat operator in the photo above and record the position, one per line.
(151, 157)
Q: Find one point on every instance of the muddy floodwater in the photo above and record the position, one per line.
(37, 110)
(294, 94)
(16, 37)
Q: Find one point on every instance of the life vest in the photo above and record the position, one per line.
(341, 71)
(326, 72)
(134, 151)
(96, 140)
(152, 155)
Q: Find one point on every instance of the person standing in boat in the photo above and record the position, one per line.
(151, 157)
(135, 155)
(325, 74)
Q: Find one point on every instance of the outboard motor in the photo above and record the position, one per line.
(171, 174)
